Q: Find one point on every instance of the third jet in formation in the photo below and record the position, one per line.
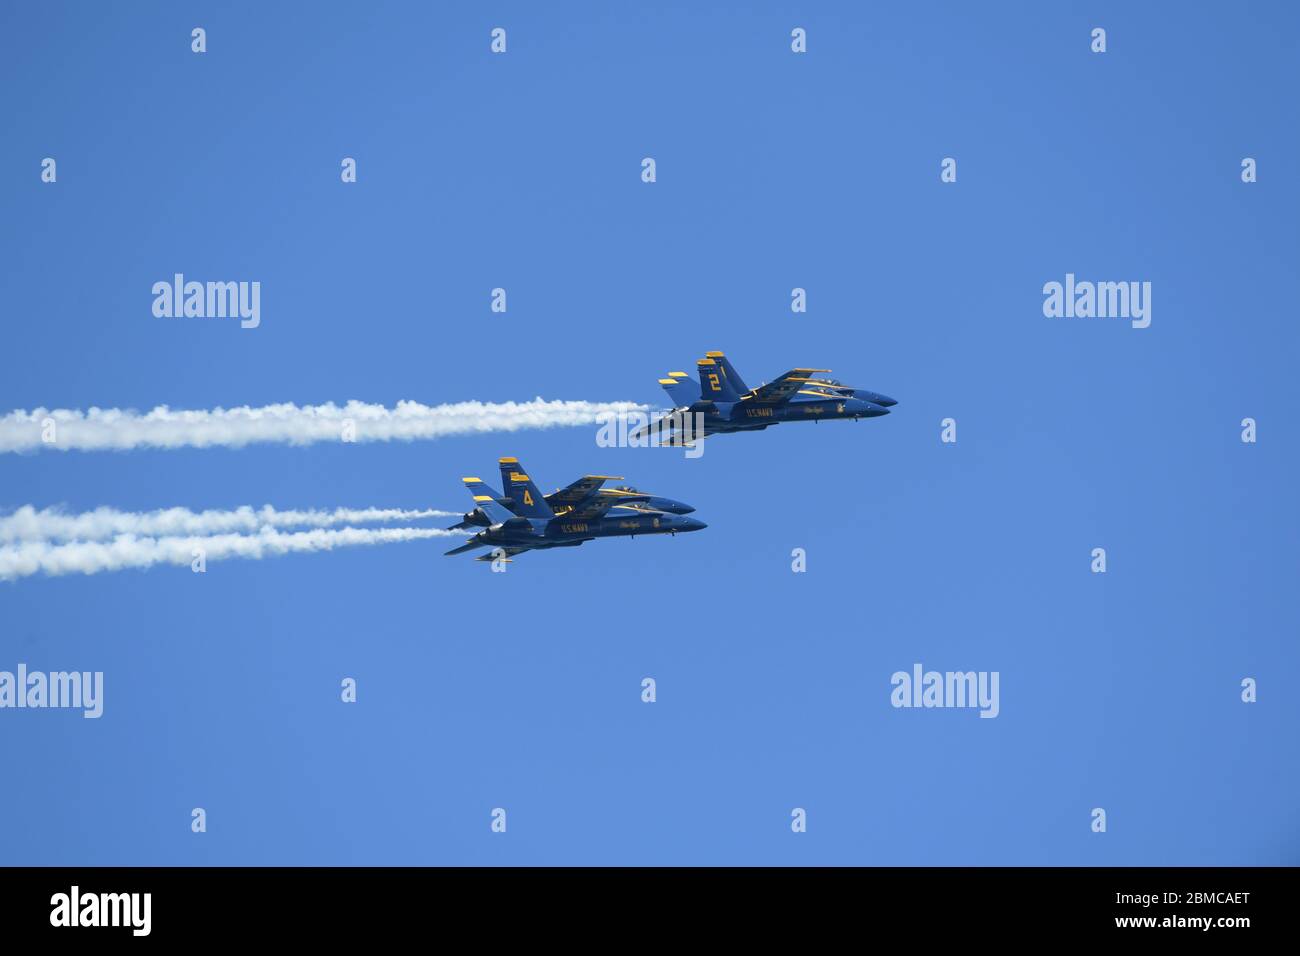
(525, 520)
(721, 402)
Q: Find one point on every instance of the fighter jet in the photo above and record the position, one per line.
(727, 404)
(566, 499)
(534, 526)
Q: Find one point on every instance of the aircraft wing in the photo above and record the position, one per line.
(596, 507)
(509, 553)
(780, 391)
(576, 491)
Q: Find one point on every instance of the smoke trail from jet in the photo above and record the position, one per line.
(98, 429)
(52, 524)
(132, 551)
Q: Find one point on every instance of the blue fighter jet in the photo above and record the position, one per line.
(726, 404)
(573, 496)
(533, 526)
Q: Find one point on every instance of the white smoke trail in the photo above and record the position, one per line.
(51, 524)
(115, 428)
(131, 551)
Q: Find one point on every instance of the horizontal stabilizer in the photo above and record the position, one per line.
(468, 546)
(501, 554)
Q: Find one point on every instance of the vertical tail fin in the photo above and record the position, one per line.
(729, 370)
(495, 511)
(714, 385)
(527, 500)
(681, 388)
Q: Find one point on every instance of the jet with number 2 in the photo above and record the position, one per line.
(727, 404)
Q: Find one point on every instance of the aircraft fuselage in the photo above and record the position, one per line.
(562, 531)
(749, 416)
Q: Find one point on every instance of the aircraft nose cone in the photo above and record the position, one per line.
(693, 524)
(686, 509)
(874, 398)
(872, 410)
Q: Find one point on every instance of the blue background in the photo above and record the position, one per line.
(522, 690)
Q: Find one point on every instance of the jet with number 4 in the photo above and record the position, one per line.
(531, 524)
(726, 404)
(573, 496)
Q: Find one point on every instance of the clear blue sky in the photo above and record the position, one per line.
(522, 690)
